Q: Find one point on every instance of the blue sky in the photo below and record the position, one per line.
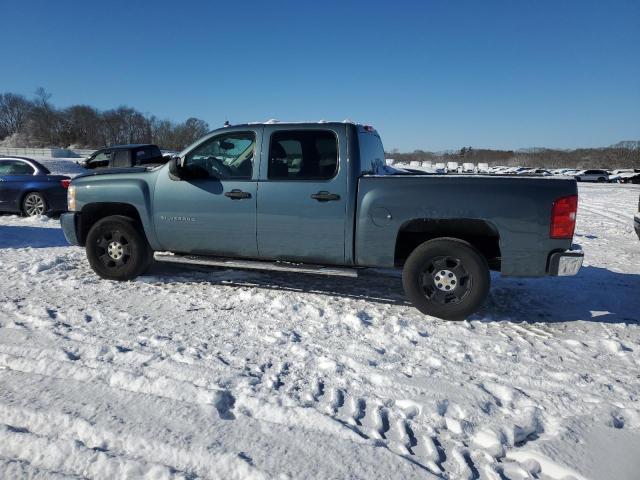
(428, 74)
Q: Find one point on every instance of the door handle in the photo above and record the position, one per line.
(325, 196)
(237, 194)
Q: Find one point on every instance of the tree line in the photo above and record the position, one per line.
(582, 158)
(36, 122)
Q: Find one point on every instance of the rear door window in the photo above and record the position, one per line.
(303, 155)
(121, 159)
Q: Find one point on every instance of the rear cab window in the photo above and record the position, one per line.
(147, 155)
(371, 152)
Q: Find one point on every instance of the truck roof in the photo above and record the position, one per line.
(360, 126)
(274, 121)
(128, 146)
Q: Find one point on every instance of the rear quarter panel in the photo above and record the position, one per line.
(55, 193)
(518, 207)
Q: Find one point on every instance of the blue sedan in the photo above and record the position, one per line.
(29, 188)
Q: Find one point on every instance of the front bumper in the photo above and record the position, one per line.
(636, 224)
(68, 222)
(564, 264)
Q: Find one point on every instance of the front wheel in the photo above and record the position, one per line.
(446, 278)
(117, 250)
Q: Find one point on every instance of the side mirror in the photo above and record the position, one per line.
(175, 168)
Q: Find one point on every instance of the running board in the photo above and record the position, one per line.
(254, 264)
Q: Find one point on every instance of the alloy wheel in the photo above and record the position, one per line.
(445, 280)
(113, 249)
(34, 204)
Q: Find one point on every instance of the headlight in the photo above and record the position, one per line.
(71, 198)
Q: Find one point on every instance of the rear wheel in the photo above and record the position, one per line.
(34, 204)
(446, 278)
(601, 179)
(117, 250)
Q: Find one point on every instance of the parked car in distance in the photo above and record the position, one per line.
(440, 167)
(29, 188)
(593, 175)
(534, 171)
(627, 175)
(569, 172)
(468, 168)
(168, 155)
(483, 168)
(318, 198)
(125, 156)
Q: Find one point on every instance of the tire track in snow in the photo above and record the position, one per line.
(102, 355)
(607, 208)
(47, 363)
(13, 468)
(615, 217)
(74, 458)
(394, 430)
(164, 387)
(161, 457)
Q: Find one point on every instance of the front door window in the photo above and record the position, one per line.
(223, 157)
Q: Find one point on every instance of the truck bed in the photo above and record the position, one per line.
(517, 209)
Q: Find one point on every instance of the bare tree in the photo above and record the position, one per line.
(82, 126)
(14, 111)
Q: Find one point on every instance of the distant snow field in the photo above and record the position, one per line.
(194, 373)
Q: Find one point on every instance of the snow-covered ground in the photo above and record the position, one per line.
(193, 373)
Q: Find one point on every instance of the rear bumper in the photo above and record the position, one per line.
(636, 224)
(68, 222)
(57, 200)
(565, 263)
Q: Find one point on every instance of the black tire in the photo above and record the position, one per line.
(117, 249)
(34, 203)
(601, 179)
(459, 292)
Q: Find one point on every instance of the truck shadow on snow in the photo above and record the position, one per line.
(596, 294)
(369, 286)
(34, 237)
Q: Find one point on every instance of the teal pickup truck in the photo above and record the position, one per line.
(319, 198)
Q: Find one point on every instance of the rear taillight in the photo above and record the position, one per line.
(65, 182)
(563, 217)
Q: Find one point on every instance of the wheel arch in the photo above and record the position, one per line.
(93, 212)
(481, 234)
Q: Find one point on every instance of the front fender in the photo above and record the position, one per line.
(107, 190)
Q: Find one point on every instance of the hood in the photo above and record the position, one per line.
(112, 171)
